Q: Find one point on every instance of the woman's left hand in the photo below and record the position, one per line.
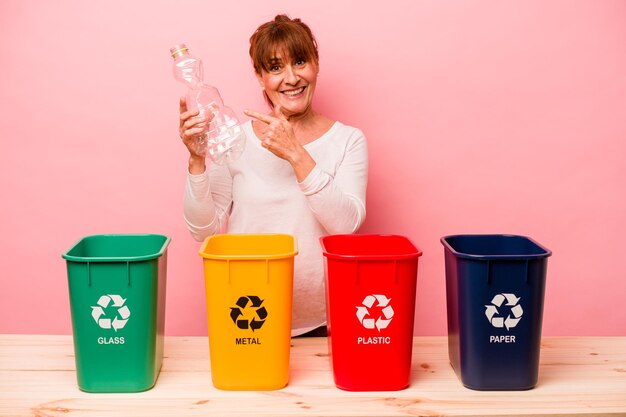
(278, 136)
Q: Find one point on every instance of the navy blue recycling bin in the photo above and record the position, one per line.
(495, 294)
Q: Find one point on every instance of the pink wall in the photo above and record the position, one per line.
(482, 116)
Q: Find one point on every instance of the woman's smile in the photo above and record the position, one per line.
(295, 92)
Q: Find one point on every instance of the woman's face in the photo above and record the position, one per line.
(290, 83)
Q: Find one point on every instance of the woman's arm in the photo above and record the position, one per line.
(207, 201)
(208, 195)
(338, 202)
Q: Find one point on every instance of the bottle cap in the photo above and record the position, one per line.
(178, 49)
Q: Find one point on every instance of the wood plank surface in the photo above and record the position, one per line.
(577, 376)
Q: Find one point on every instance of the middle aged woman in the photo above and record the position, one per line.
(301, 173)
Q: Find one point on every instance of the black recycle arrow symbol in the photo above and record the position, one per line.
(256, 301)
(234, 313)
(262, 313)
(255, 325)
(242, 302)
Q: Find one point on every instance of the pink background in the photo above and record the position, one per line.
(481, 116)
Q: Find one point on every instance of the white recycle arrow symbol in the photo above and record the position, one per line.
(361, 312)
(498, 322)
(497, 300)
(104, 301)
(381, 322)
(104, 323)
(124, 312)
(97, 312)
(118, 324)
(510, 322)
(369, 301)
(511, 299)
(491, 311)
(382, 300)
(517, 311)
(117, 300)
(369, 323)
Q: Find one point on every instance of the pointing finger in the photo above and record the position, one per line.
(259, 116)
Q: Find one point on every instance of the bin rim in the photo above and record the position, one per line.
(248, 257)
(398, 257)
(444, 241)
(147, 257)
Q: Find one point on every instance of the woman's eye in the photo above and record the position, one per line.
(300, 62)
(274, 68)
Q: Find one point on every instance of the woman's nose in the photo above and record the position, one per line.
(291, 76)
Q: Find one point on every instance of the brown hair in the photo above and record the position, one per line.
(290, 36)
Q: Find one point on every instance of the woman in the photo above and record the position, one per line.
(301, 173)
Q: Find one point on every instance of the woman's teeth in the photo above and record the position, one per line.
(294, 92)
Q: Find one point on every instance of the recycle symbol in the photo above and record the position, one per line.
(512, 302)
(386, 313)
(246, 307)
(103, 319)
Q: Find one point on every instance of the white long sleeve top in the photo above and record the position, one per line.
(259, 193)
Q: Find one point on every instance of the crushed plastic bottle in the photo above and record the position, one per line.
(225, 139)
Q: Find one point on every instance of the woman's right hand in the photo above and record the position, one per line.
(191, 125)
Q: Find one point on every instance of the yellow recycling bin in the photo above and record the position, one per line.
(249, 284)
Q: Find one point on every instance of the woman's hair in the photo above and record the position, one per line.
(283, 34)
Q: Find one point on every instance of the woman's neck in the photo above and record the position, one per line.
(309, 126)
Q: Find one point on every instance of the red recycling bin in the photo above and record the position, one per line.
(370, 304)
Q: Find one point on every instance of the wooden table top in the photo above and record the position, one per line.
(577, 376)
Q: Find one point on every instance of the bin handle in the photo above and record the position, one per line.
(128, 272)
(526, 271)
(395, 270)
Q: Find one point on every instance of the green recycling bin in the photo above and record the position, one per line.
(117, 299)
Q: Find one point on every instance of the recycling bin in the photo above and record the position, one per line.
(495, 295)
(370, 304)
(249, 284)
(117, 299)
